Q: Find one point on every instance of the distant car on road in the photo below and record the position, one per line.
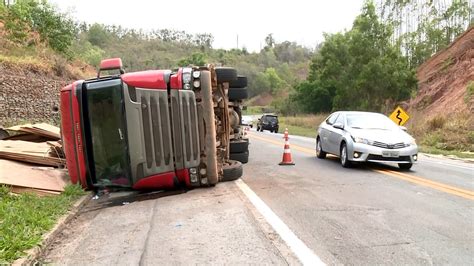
(247, 120)
(268, 122)
(365, 137)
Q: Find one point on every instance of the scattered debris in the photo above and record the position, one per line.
(30, 152)
(41, 129)
(26, 157)
(24, 177)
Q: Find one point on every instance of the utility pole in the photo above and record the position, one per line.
(237, 41)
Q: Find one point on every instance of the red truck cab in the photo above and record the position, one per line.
(141, 130)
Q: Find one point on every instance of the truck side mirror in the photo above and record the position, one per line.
(110, 64)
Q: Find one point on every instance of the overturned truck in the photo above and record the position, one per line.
(157, 129)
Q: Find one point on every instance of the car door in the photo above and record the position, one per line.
(335, 135)
(325, 130)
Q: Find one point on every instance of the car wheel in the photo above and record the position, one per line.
(319, 149)
(344, 157)
(226, 74)
(232, 171)
(405, 166)
(236, 94)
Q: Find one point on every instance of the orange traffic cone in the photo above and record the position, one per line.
(287, 152)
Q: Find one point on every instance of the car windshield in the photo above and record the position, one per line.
(370, 121)
(270, 119)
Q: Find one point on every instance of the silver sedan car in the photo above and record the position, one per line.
(365, 137)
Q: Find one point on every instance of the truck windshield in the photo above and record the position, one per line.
(108, 132)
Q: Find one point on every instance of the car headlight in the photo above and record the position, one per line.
(412, 142)
(362, 140)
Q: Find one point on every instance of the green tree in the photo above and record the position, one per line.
(360, 69)
(196, 59)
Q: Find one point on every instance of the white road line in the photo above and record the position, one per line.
(302, 252)
(447, 164)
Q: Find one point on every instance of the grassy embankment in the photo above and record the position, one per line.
(25, 218)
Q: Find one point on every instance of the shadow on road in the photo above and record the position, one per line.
(120, 198)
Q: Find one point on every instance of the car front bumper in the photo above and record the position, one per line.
(367, 153)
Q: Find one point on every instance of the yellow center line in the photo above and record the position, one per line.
(467, 194)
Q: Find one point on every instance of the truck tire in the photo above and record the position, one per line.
(236, 94)
(226, 74)
(232, 171)
(240, 82)
(242, 157)
(241, 145)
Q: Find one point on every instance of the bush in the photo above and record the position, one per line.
(25, 18)
(469, 92)
(436, 123)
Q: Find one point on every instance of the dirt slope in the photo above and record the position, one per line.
(443, 79)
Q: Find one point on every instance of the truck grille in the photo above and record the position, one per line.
(149, 130)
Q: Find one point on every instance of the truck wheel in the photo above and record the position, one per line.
(241, 145)
(242, 157)
(226, 74)
(232, 171)
(236, 94)
(240, 82)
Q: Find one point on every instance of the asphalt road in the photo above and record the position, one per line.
(315, 210)
(370, 214)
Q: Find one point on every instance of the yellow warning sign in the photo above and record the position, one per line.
(399, 116)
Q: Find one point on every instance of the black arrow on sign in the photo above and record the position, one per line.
(400, 120)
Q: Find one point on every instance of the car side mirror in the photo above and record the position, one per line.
(403, 128)
(338, 125)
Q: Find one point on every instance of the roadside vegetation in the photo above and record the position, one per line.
(25, 218)
(371, 66)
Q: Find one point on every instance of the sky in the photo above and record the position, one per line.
(301, 21)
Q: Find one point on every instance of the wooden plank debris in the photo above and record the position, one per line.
(30, 152)
(24, 177)
(40, 129)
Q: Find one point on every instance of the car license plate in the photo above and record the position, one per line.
(391, 154)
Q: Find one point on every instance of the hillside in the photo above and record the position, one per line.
(444, 78)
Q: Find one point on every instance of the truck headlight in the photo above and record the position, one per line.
(196, 74)
(186, 77)
(193, 170)
(196, 83)
(193, 178)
